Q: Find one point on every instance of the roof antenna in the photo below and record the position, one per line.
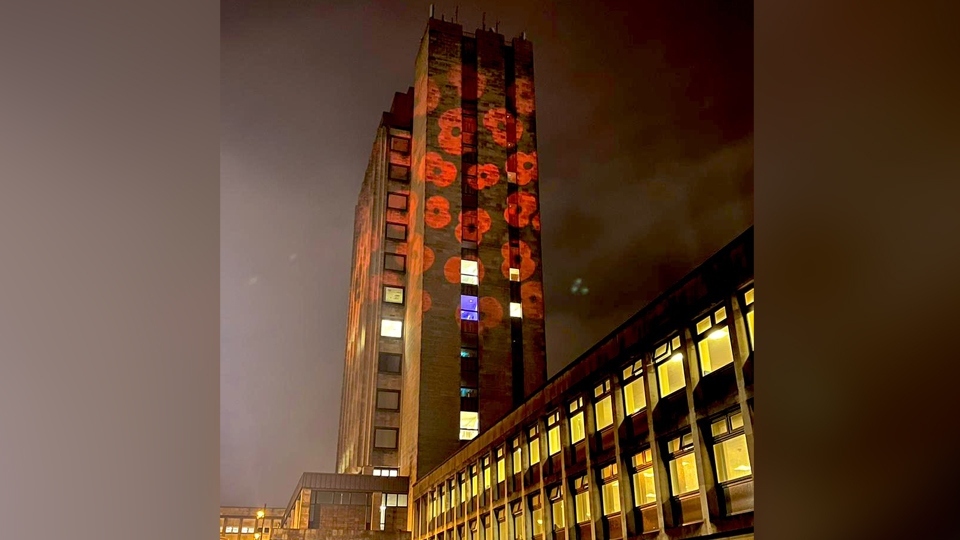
(483, 21)
(523, 36)
(496, 26)
(456, 14)
(431, 11)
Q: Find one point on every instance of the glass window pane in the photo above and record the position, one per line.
(469, 315)
(582, 506)
(468, 302)
(644, 490)
(661, 350)
(396, 201)
(611, 497)
(537, 521)
(514, 274)
(501, 471)
(556, 508)
(633, 396)
(553, 440)
(469, 268)
(703, 326)
(393, 295)
(750, 328)
(516, 310)
(732, 458)
(576, 428)
(534, 451)
(716, 351)
(719, 427)
(604, 411)
(469, 280)
(517, 460)
(720, 315)
(390, 328)
(670, 375)
(748, 297)
(736, 421)
(469, 425)
(385, 438)
(675, 343)
(388, 400)
(683, 475)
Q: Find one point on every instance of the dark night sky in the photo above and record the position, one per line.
(645, 139)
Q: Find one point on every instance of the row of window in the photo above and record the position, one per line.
(729, 448)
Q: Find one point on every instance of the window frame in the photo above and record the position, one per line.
(673, 346)
(609, 474)
(746, 310)
(398, 226)
(404, 139)
(716, 324)
(396, 437)
(553, 422)
(581, 485)
(403, 294)
(386, 319)
(730, 434)
(405, 178)
(386, 391)
(576, 408)
(533, 441)
(637, 467)
(603, 391)
(396, 257)
(632, 374)
(380, 362)
(398, 195)
(682, 451)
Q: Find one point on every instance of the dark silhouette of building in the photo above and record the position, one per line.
(445, 332)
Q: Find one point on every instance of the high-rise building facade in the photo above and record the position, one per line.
(445, 330)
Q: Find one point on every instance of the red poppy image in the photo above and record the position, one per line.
(483, 176)
(436, 214)
(427, 302)
(451, 270)
(472, 224)
(523, 96)
(531, 297)
(521, 206)
(450, 131)
(526, 168)
(439, 171)
(495, 120)
(535, 222)
(491, 312)
(455, 78)
(428, 257)
(520, 257)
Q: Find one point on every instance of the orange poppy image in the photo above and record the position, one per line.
(440, 171)
(427, 302)
(436, 214)
(521, 206)
(520, 257)
(483, 176)
(491, 312)
(523, 96)
(535, 222)
(495, 120)
(428, 257)
(526, 168)
(531, 297)
(457, 73)
(472, 224)
(450, 131)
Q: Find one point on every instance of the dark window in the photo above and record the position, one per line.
(399, 172)
(385, 438)
(390, 363)
(388, 400)
(395, 231)
(396, 201)
(399, 144)
(393, 261)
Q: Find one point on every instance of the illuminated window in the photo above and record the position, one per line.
(233, 525)
(644, 488)
(501, 466)
(392, 295)
(730, 447)
(388, 400)
(603, 407)
(485, 469)
(634, 397)
(396, 231)
(536, 515)
(556, 507)
(390, 362)
(454, 496)
(395, 262)
(247, 526)
(398, 144)
(581, 499)
(396, 201)
(399, 172)
(748, 310)
(468, 308)
(221, 525)
(533, 445)
(514, 274)
(391, 328)
(713, 342)
(517, 456)
(473, 530)
(501, 524)
(487, 527)
(553, 434)
(386, 471)
(473, 481)
(682, 465)
(517, 510)
(464, 487)
(668, 358)
(385, 438)
(469, 425)
(577, 432)
(610, 489)
(469, 272)
(516, 310)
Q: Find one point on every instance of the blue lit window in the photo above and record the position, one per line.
(468, 392)
(468, 308)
